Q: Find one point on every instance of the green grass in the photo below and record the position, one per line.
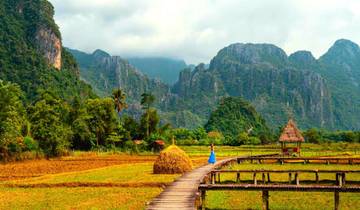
(280, 200)
(308, 150)
(76, 198)
(283, 200)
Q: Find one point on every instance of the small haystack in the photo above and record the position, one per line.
(172, 160)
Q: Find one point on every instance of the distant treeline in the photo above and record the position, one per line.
(50, 126)
(317, 136)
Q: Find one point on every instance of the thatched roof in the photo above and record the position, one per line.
(291, 133)
(159, 142)
(138, 142)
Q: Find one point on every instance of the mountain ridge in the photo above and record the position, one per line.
(278, 85)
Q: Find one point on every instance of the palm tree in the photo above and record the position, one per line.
(147, 99)
(119, 100)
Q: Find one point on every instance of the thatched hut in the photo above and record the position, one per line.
(291, 134)
(158, 145)
(172, 160)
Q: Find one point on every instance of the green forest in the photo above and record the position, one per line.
(51, 126)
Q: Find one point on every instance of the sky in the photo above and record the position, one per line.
(195, 30)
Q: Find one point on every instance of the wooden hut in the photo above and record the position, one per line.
(291, 134)
(158, 145)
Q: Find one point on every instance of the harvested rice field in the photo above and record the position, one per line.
(122, 181)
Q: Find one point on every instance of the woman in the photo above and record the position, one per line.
(212, 158)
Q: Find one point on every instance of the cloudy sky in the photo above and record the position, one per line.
(195, 30)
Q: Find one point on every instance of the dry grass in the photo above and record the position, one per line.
(172, 160)
(37, 168)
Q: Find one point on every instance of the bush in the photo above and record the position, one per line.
(30, 144)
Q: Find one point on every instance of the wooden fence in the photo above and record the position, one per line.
(214, 177)
(266, 188)
(305, 160)
(212, 181)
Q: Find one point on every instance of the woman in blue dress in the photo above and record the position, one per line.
(212, 158)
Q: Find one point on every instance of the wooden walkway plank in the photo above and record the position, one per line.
(184, 191)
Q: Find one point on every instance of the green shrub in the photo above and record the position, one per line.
(30, 144)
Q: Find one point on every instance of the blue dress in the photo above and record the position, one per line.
(212, 158)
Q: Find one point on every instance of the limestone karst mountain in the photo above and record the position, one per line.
(31, 52)
(277, 85)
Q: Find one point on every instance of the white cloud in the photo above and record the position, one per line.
(196, 29)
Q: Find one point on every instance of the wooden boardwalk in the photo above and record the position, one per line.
(183, 192)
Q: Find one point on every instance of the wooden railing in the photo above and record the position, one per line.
(213, 177)
(305, 160)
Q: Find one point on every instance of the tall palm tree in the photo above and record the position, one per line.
(119, 100)
(147, 99)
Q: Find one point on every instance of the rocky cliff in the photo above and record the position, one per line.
(107, 72)
(50, 46)
(264, 75)
(340, 66)
(277, 85)
(31, 50)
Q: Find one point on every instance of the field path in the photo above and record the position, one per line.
(181, 194)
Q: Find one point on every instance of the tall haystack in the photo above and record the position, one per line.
(172, 160)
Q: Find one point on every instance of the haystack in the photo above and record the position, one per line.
(172, 160)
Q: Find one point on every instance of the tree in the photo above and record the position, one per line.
(119, 100)
(149, 122)
(11, 118)
(131, 128)
(83, 137)
(313, 136)
(48, 128)
(147, 100)
(102, 119)
(243, 138)
(199, 133)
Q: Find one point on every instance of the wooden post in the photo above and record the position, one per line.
(254, 178)
(263, 178)
(268, 177)
(343, 178)
(336, 200)
(212, 178)
(265, 199)
(238, 177)
(289, 178)
(317, 177)
(202, 203)
(218, 178)
(337, 179)
(297, 179)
